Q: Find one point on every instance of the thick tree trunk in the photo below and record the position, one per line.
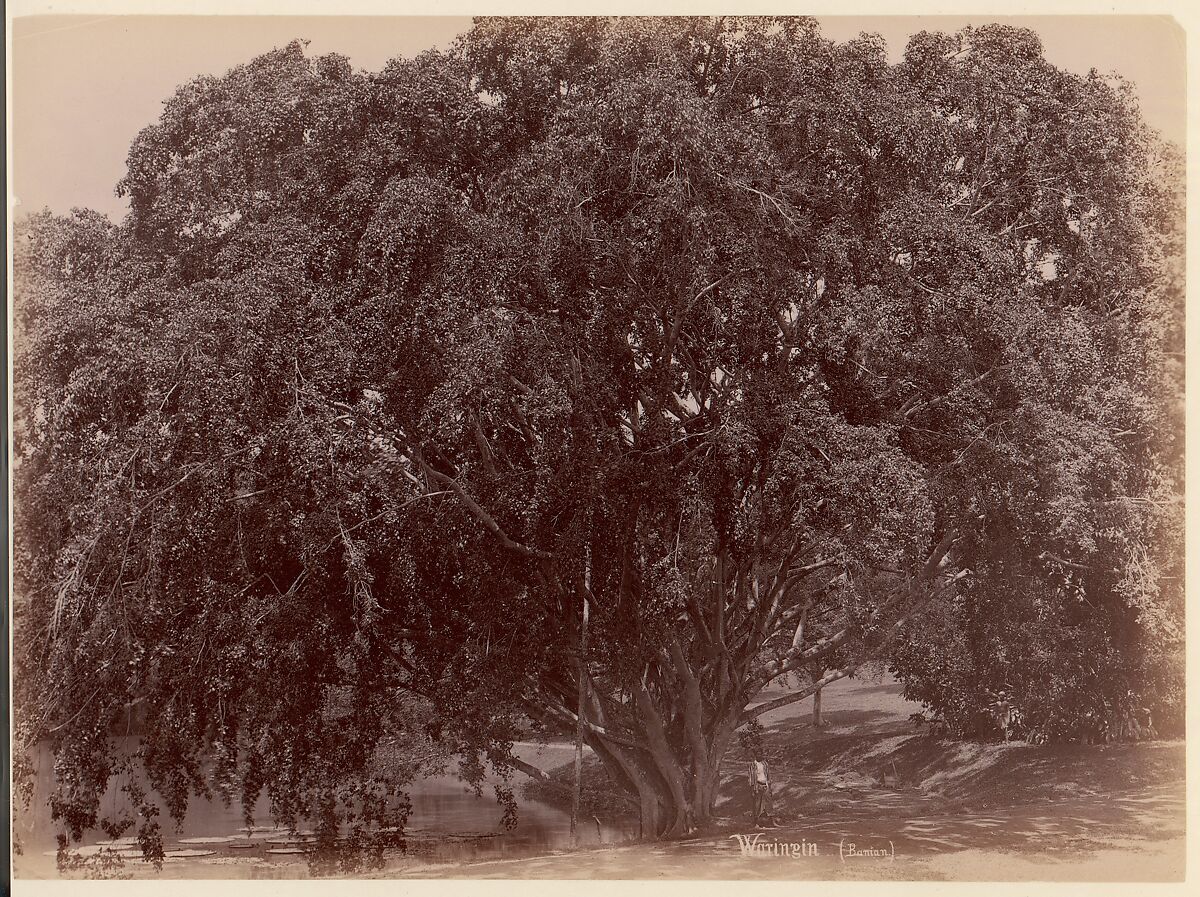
(674, 795)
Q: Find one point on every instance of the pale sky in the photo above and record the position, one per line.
(83, 86)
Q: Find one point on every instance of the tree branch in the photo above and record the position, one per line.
(602, 732)
(755, 712)
(477, 511)
(933, 403)
(794, 658)
(529, 769)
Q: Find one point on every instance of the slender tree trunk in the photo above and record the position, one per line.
(579, 717)
(816, 712)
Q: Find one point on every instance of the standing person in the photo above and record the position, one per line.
(760, 790)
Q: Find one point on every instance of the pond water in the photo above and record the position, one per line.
(449, 823)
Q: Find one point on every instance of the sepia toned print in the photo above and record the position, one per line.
(614, 448)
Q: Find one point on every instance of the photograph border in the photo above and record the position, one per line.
(1188, 19)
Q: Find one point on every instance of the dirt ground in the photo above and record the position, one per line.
(867, 796)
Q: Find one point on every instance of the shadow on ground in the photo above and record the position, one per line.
(938, 809)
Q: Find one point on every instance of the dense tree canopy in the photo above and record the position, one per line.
(769, 352)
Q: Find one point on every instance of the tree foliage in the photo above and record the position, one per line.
(758, 344)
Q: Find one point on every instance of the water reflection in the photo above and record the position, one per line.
(449, 823)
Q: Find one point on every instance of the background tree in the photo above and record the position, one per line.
(759, 343)
(1077, 606)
